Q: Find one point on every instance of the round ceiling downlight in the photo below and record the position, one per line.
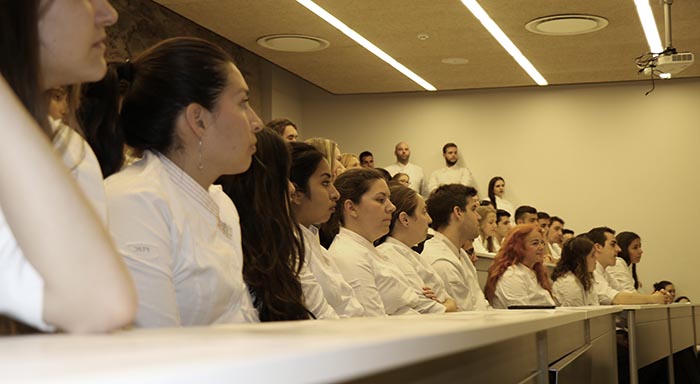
(293, 43)
(564, 25)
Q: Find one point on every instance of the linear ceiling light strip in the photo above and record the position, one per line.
(505, 42)
(349, 32)
(646, 16)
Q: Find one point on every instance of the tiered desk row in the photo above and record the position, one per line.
(570, 345)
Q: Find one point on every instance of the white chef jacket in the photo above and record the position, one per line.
(569, 292)
(451, 175)
(416, 270)
(605, 286)
(338, 293)
(519, 286)
(378, 284)
(457, 272)
(21, 286)
(506, 206)
(314, 301)
(181, 243)
(414, 172)
(554, 251)
(622, 273)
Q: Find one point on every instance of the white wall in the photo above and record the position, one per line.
(594, 155)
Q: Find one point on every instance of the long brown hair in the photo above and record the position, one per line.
(513, 252)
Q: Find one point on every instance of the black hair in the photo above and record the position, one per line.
(597, 235)
(166, 78)
(270, 268)
(98, 115)
(624, 239)
(305, 161)
(448, 145)
(364, 154)
(566, 231)
(522, 210)
(661, 285)
(492, 183)
(19, 57)
(443, 199)
(501, 213)
(557, 219)
(385, 174)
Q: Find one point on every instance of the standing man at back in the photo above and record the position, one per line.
(451, 173)
(414, 172)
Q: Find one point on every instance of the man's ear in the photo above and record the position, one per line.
(197, 118)
(457, 212)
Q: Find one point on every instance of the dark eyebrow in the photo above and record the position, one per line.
(326, 174)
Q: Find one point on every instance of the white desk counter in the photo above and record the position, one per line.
(309, 351)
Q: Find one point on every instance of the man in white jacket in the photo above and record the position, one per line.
(453, 210)
(451, 173)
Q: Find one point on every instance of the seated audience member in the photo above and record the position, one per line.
(573, 276)
(624, 271)
(517, 276)
(284, 128)
(451, 173)
(566, 234)
(58, 105)
(455, 221)
(313, 202)
(554, 237)
(543, 219)
(607, 288)
(682, 299)
(364, 210)
(367, 159)
(487, 203)
(503, 225)
(186, 108)
(349, 161)
(276, 272)
(486, 242)
(414, 172)
(409, 226)
(497, 191)
(59, 269)
(402, 179)
(331, 151)
(667, 287)
(525, 214)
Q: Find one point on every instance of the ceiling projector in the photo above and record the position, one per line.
(675, 62)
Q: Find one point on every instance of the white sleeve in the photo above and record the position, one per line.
(567, 292)
(606, 293)
(21, 286)
(512, 289)
(358, 272)
(141, 227)
(621, 273)
(433, 183)
(314, 300)
(455, 285)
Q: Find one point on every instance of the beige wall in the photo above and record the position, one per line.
(594, 155)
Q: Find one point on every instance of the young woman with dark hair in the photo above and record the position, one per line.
(517, 276)
(273, 269)
(313, 202)
(497, 191)
(573, 276)
(409, 226)
(666, 286)
(73, 279)
(186, 107)
(625, 269)
(364, 212)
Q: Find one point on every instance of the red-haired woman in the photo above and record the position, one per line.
(517, 276)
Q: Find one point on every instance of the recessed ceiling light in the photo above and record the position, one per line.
(455, 61)
(566, 24)
(293, 43)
